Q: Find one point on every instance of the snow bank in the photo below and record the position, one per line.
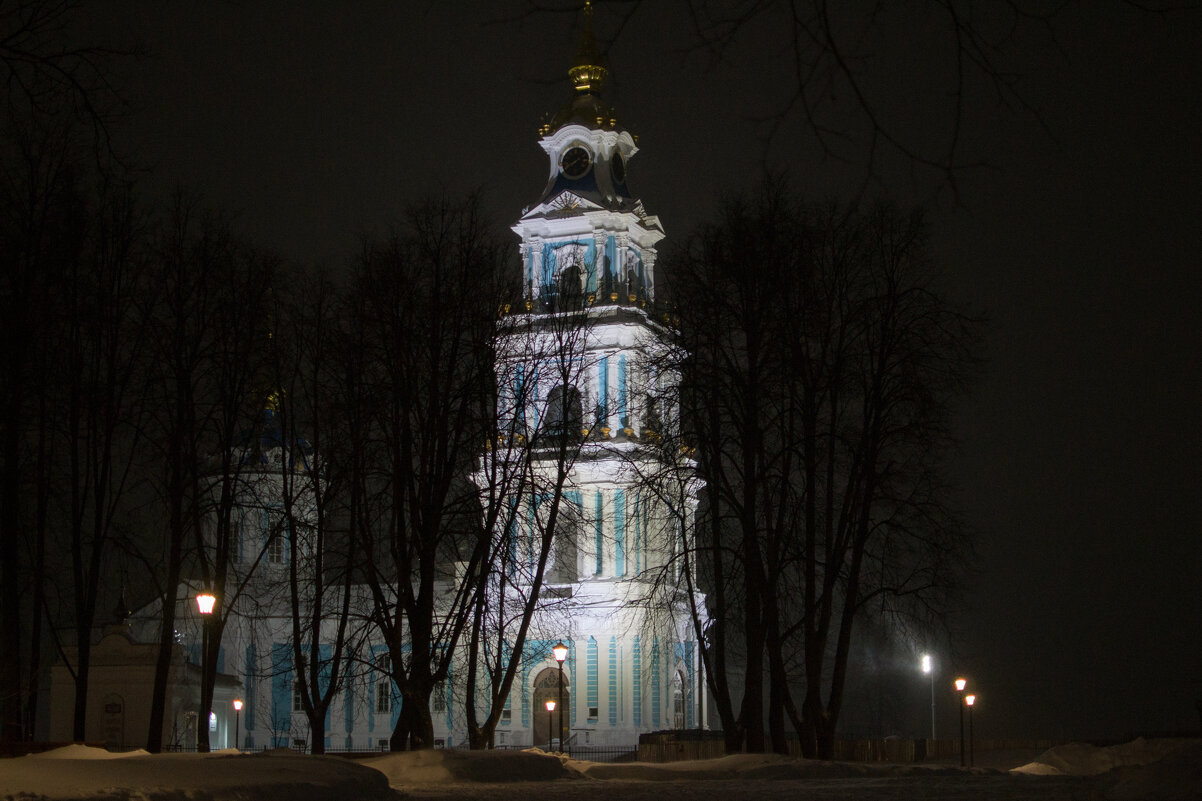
(1145, 770)
(1170, 770)
(1176, 777)
(407, 768)
(737, 766)
(77, 751)
(1081, 759)
(79, 772)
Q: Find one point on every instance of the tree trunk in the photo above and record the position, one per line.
(317, 730)
(415, 706)
(162, 667)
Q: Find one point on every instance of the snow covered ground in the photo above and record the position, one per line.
(1137, 771)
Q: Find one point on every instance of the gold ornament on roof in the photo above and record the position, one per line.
(588, 74)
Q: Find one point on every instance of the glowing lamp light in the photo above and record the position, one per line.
(550, 706)
(561, 652)
(237, 704)
(926, 663)
(961, 684)
(205, 602)
(970, 699)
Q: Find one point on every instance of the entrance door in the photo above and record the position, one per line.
(546, 688)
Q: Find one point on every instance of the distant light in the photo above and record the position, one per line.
(561, 652)
(205, 602)
(238, 704)
(926, 663)
(970, 699)
(550, 706)
(960, 685)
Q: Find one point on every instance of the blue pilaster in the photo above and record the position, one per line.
(281, 693)
(623, 415)
(599, 529)
(613, 681)
(637, 689)
(656, 682)
(591, 690)
(619, 533)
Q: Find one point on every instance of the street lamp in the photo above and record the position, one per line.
(970, 700)
(960, 685)
(237, 715)
(205, 601)
(561, 653)
(550, 723)
(929, 668)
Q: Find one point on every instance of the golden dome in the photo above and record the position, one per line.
(588, 72)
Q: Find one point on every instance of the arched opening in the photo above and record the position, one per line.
(570, 289)
(678, 700)
(562, 565)
(547, 688)
(565, 417)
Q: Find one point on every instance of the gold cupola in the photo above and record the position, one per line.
(588, 72)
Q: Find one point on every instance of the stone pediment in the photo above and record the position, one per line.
(565, 204)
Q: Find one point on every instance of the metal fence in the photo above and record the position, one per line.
(675, 746)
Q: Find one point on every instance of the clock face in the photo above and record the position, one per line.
(618, 167)
(575, 162)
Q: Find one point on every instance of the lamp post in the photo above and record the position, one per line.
(550, 723)
(929, 668)
(960, 684)
(970, 700)
(237, 716)
(561, 653)
(205, 601)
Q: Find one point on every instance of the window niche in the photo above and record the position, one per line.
(562, 567)
(565, 417)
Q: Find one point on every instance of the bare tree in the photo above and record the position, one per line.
(822, 360)
(317, 433)
(105, 333)
(428, 301)
(210, 334)
(41, 231)
(532, 519)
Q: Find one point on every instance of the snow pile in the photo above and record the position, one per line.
(1170, 770)
(77, 751)
(1145, 770)
(1081, 759)
(77, 772)
(409, 768)
(1176, 777)
(736, 766)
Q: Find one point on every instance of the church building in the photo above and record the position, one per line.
(586, 382)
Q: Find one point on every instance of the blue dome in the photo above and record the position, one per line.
(266, 444)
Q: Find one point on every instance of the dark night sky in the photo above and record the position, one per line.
(319, 122)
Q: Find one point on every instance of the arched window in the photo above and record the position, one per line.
(564, 415)
(678, 697)
(561, 562)
(570, 289)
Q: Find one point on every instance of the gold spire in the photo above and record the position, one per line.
(588, 73)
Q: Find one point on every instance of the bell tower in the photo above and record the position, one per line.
(598, 385)
(587, 221)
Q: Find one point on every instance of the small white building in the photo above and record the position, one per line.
(119, 689)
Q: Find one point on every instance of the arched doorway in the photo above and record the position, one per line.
(678, 698)
(546, 688)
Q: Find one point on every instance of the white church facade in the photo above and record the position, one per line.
(596, 387)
